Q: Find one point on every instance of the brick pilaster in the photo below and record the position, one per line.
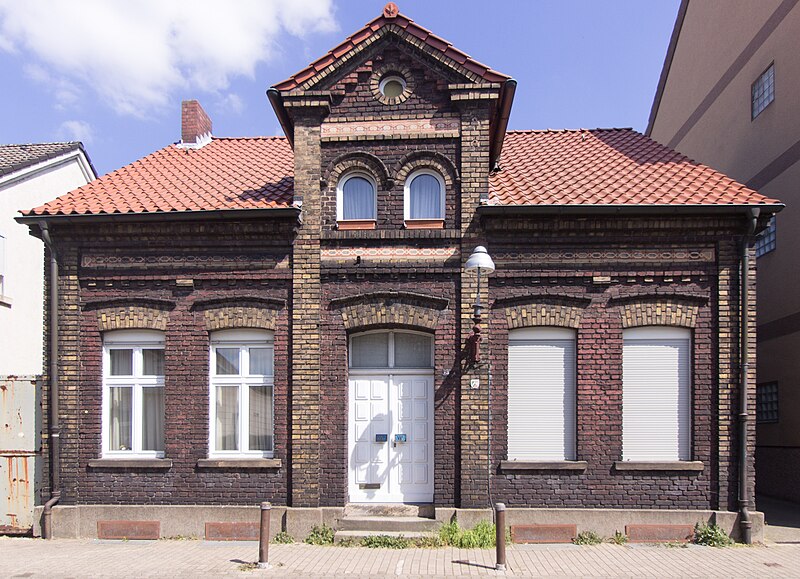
(305, 382)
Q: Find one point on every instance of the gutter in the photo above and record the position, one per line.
(745, 523)
(622, 210)
(504, 113)
(276, 100)
(161, 216)
(53, 396)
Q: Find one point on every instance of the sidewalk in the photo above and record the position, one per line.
(188, 558)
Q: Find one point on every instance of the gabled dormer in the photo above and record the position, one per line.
(390, 109)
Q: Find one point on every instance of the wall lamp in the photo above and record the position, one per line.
(479, 263)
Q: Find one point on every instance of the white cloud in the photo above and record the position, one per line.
(231, 102)
(136, 53)
(76, 131)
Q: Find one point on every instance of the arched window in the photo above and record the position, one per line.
(241, 394)
(133, 394)
(356, 197)
(424, 195)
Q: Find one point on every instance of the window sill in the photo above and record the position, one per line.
(670, 465)
(5, 301)
(424, 223)
(515, 465)
(240, 463)
(354, 224)
(124, 463)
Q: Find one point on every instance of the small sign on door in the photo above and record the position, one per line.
(400, 438)
(381, 438)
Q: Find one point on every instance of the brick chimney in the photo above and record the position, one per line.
(195, 125)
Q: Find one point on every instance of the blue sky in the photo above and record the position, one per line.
(113, 74)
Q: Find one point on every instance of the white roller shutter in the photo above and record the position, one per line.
(541, 394)
(656, 394)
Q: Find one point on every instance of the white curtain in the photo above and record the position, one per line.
(227, 419)
(412, 351)
(260, 417)
(121, 407)
(358, 199)
(425, 198)
(153, 418)
(370, 351)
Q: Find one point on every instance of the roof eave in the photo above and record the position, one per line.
(162, 216)
(620, 209)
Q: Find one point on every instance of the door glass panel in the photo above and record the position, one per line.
(412, 351)
(227, 361)
(153, 362)
(370, 351)
(153, 417)
(227, 419)
(261, 361)
(121, 362)
(261, 418)
(121, 408)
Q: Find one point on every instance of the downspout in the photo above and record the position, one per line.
(53, 397)
(276, 100)
(745, 523)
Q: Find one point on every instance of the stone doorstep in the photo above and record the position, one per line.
(390, 510)
(388, 524)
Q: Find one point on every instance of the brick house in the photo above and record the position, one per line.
(291, 319)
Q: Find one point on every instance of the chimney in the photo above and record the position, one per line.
(195, 125)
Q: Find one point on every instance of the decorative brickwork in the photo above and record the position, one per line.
(357, 161)
(231, 317)
(659, 313)
(380, 72)
(132, 317)
(392, 310)
(543, 315)
(427, 160)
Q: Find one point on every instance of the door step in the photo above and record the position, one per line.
(427, 511)
(388, 524)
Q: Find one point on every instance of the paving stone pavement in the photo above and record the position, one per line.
(187, 558)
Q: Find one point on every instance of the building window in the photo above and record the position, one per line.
(541, 394)
(763, 91)
(424, 195)
(392, 86)
(375, 350)
(768, 240)
(241, 394)
(2, 265)
(133, 393)
(357, 198)
(656, 394)
(767, 403)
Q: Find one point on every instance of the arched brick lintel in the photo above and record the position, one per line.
(659, 313)
(380, 315)
(131, 318)
(231, 317)
(541, 314)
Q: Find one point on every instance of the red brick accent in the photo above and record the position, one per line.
(129, 530)
(232, 531)
(659, 533)
(543, 533)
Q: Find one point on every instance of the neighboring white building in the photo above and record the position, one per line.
(29, 176)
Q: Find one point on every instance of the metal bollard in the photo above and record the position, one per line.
(500, 528)
(263, 537)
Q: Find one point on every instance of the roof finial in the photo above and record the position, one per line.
(391, 10)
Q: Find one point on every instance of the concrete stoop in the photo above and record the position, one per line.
(393, 520)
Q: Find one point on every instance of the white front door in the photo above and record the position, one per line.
(391, 437)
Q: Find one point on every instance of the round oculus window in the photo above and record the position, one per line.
(392, 86)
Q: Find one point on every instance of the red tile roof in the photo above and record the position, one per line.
(607, 167)
(354, 40)
(247, 173)
(581, 167)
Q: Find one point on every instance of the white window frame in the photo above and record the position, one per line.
(548, 334)
(389, 78)
(243, 340)
(652, 334)
(340, 195)
(390, 345)
(407, 195)
(136, 340)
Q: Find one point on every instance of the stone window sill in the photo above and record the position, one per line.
(240, 463)
(355, 224)
(5, 301)
(424, 223)
(517, 465)
(676, 465)
(131, 463)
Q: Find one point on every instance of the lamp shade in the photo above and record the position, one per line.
(479, 260)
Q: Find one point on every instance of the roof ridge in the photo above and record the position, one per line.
(250, 137)
(580, 130)
(40, 143)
